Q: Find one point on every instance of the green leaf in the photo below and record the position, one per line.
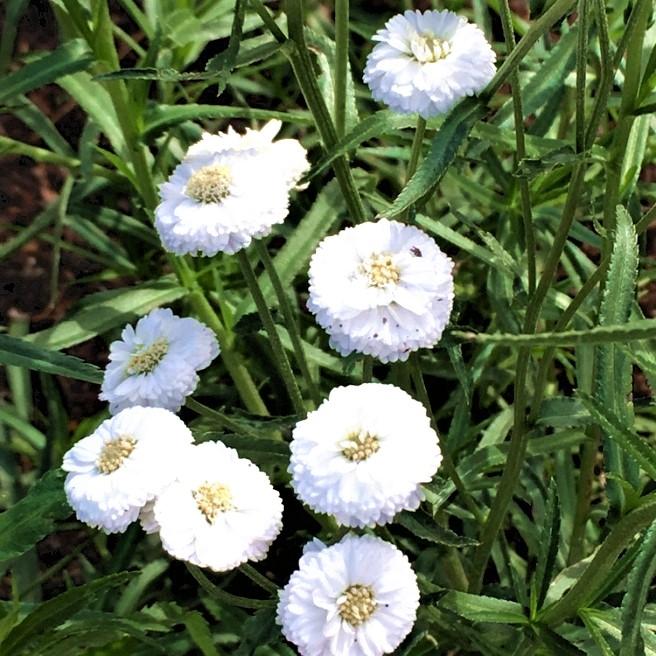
(72, 56)
(427, 529)
(259, 629)
(479, 608)
(54, 612)
(442, 152)
(612, 369)
(200, 633)
(20, 353)
(560, 411)
(548, 544)
(638, 585)
(615, 430)
(34, 516)
(115, 309)
(628, 332)
(159, 117)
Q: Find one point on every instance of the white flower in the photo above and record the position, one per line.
(362, 455)
(426, 62)
(155, 363)
(381, 288)
(220, 512)
(358, 597)
(228, 190)
(123, 464)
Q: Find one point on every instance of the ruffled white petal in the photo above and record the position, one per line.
(112, 501)
(235, 535)
(262, 173)
(373, 490)
(309, 605)
(190, 347)
(390, 321)
(410, 74)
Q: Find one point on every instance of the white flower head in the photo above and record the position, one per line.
(362, 455)
(426, 62)
(220, 512)
(127, 461)
(155, 363)
(381, 288)
(357, 597)
(228, 190)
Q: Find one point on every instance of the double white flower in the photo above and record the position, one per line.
(426, 62)
(358, 597)
(228, 190)
(155, 363)
(381, 288)
(363, 454)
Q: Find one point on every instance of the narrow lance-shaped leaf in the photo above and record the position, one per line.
(548, 545)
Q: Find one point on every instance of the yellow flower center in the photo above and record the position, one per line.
(114, 453)
(359, 446)
(428, 48)
(211, 184)
(380, 270)
(358, 605)
(212, 499)
(144, 361)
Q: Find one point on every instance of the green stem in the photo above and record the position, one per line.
(290, 320)
(299, 58)
(223, 596)
(520, 142)
(449, 466)
(268, 21)
(518, 439)
(367, 369)
(597, 570)
(417, 143)
(221, 420)
(280, 356)
(581, 67)
(259, 579)
(341, 64)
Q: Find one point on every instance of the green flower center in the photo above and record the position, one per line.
(145, 360)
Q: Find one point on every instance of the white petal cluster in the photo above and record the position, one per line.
(426, 62)
(155, 363)
(381, 288)
(362, 455)
(123, 464)
(357, 597)
(220, 512)
(228, 190)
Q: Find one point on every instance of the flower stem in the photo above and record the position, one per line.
(258, 578)
(367, 369)
(290, 320)
(280, 357)
(449, 466)
(299, 58)
(520, 152)
(415, 153)
(341, 63)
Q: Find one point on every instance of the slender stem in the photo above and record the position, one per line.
(518, 439)
(222, 595)
(259, 579)
(367, 369)
(299, 58)
(520, 141)
(221, 420)
(290, 321)
(280, 356)
(238, 372)
(268, 21)
(341, 63)
(449, 466)
(415, 153)
(581, 67)
(62, 208)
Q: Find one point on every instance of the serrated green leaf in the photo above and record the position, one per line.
(200, 633)
(479, 608)
(72, 56)
(442, 152)
(20, 353)
(638, 585)
(34, 516)
(427, 529)
(548, 544)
